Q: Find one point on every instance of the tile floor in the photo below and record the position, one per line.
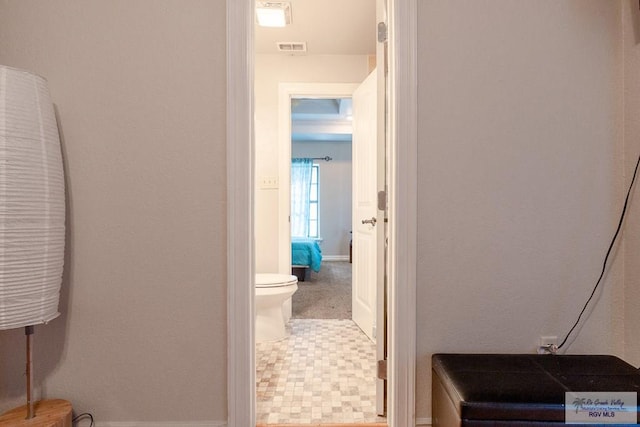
(324, 372)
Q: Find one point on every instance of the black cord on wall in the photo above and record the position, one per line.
(81, 416)
(606, 258)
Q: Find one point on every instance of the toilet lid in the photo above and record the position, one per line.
(269, 280)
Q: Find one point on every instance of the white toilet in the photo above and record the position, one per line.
(272, 292)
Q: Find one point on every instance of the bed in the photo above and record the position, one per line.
(305, 254)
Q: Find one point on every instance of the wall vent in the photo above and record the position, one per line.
(292, 47)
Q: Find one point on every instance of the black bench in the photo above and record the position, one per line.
(473, 390)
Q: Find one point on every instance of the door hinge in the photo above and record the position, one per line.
(382, 369)
(382, 32)
(382, 200)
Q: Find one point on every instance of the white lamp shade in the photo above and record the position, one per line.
(32, 206)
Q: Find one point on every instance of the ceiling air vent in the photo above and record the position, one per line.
(292, 47)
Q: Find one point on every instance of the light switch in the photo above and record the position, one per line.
(268, 182)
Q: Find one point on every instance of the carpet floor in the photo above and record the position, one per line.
(327, 295)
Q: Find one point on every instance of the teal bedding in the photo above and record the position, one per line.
(306, 252)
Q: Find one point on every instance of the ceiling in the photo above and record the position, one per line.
(329, 27)
(321, 119)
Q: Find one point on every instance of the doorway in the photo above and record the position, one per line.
(402, 216)
(286, 93)
(351, 373)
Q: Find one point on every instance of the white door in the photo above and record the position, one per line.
(368, 226)
(383, 232)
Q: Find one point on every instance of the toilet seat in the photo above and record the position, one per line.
(270, 280)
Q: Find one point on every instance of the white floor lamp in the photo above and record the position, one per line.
(32, 222)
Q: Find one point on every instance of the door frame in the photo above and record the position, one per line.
(286, 92)
(241, 389)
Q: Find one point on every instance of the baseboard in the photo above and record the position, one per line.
(162, 424)
(330, 258)
(420, 422)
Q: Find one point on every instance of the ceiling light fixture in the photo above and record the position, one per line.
(273, 14)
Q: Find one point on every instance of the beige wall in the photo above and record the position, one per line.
(520, 186)
(631, 43)
(520, 178)
(140, 91)
(270, 71)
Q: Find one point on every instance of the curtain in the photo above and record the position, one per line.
(300, 191)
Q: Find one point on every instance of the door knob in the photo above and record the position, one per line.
(371, 221)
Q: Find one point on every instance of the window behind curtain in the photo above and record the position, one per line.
(314, 205)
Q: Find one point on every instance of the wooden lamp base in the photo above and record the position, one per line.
(48, 413)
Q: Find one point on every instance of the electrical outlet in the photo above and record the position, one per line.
(547, 344)
(548, 340)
